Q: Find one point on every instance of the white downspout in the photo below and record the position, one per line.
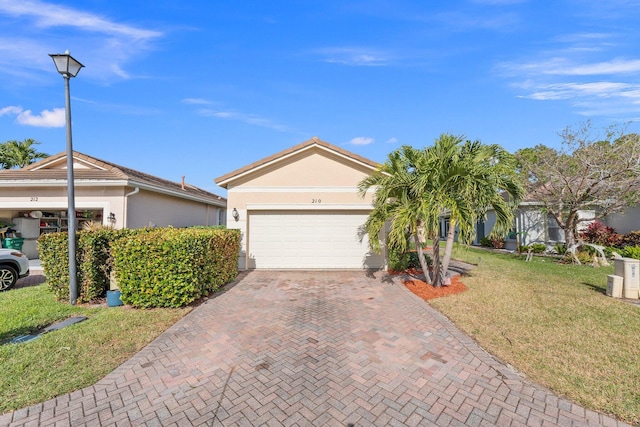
(126, 198)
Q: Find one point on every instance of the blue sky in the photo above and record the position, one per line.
(200, 88)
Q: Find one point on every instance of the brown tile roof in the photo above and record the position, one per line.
(223, 180)
(104, 171)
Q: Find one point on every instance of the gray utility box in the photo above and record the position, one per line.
(629, 270)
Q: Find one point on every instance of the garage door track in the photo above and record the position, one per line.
(311, 349)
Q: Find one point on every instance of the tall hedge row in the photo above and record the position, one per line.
(163, 267)
(174, 267)
(92, 262)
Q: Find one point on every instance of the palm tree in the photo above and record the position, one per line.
(20, 153)
(466, 180)
(415, 188)
(394, 200)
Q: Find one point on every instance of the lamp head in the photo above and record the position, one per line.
(66, 64)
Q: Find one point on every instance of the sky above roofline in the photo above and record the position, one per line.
(203, 88)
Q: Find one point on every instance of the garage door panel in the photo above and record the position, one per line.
(304, 239)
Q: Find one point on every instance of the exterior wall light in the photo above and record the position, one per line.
(235, 214)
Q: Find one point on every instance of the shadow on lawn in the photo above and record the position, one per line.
(596, 288)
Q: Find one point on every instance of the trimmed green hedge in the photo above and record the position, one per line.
(174, 267)
(160, 267)
(93, 261)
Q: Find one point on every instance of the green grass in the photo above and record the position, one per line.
(554, 323)
(71, 358)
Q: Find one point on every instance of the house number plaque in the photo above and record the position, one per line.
(316, 201)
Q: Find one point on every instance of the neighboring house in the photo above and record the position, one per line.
(300, 209)
(104, 192)
(531, 225)
(626, 222)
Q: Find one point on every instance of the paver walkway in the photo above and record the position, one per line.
(311, 349)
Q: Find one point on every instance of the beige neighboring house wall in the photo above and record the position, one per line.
(115, 195)
(308, 197)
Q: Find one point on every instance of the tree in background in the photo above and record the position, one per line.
(18, 154)
(588, 172)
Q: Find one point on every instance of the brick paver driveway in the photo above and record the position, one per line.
(317, 348)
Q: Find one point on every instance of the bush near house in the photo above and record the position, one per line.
(93, 261)
(174, 267)
(161, 267)
(402, 261)
(631, 252)
(599, 234)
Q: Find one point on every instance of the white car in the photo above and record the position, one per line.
(14, 265)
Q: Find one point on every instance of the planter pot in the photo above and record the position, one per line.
(113, 298)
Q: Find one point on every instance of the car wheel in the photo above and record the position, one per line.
(8, 277)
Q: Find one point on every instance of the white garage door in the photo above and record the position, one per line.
(305, 240)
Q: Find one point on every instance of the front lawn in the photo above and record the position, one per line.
(71, 358)
(554, 323)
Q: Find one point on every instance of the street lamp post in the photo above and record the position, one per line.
(69, 67)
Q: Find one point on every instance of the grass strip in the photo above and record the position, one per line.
(554, 323)
(71, 358)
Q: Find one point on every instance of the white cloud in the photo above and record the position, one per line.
(49, 15)
(361, 140)
(11, 109)
(593, 72)
(104, 45)
(356, 56)
(392, 140)
(565, 67)
(251, 119)
(196, 101)
(47, 118)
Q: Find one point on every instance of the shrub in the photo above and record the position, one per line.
(497, 243)
(401, 261)
(538, 248)
(583, 256)
(398, 261)
(629, 239)
(174, 267)
(560, 248)
(600, 234)
(492, 242)
(93, 261)
(485, 241)
(414, 260)
(631, 252)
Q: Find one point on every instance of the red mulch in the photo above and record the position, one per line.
(428, 292)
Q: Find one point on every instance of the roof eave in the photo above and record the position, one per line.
(224, 180)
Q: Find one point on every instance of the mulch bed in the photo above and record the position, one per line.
(427, 292)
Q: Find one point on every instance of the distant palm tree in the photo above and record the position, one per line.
(18, 154)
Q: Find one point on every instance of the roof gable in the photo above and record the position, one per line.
(93, 170)
(314, 146)
(59, 161)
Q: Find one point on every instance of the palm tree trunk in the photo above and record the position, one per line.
(448, 249)
(436, 260)
(423, 262)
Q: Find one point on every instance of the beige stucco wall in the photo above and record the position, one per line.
(27, 199)
(149, 209)
(311, 180)
(142, 209)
